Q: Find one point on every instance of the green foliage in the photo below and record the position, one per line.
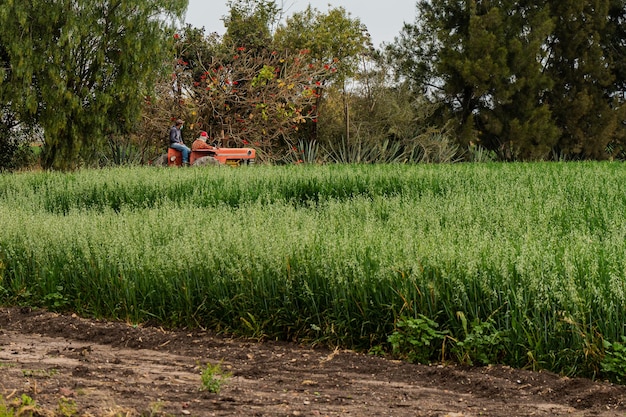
(75, 69)
(15, 141)
(67, 407)
(21, 406)
(56, 301)
(307, 152)
(613, 364)
(483, 343)
(528, 80)
(352, 251)
(480, 154)
(584, 70)
(416, 339)
(25, 406)
(15, 154)
(213, 378)
(266, 74)
(334, 35)
(250, 23)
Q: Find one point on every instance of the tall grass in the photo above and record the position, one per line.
(332, 255)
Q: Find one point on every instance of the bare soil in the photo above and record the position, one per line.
(109, 368)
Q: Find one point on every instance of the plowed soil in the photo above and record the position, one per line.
(104, 369)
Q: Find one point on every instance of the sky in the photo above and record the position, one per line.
(384, 18)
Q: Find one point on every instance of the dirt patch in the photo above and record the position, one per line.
(110, 368)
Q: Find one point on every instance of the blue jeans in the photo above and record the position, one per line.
(184, 149)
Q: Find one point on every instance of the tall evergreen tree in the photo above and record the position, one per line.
(533, 78)
(584, 74)
(614, 42)
(82, 68)
(483, 60)
(518, 122)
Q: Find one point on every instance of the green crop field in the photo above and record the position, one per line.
(521, 264)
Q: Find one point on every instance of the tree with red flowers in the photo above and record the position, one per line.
(336, 40)
(257, 98)
(242, 90)
(251, 87)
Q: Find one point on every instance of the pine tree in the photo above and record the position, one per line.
(584, 76)
(519, 121)
(480, 58)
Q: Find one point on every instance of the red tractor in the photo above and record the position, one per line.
(213, 155)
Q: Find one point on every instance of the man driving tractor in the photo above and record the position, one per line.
(203, 153)
(201, 142)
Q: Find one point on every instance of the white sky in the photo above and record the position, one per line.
(383, 18)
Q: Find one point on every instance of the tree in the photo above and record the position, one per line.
(15, 135)
(483, 60)
(241, 96)
(585, 62)
(250, 23)
(532, 79)
(82, 68)
(333, 38)
(518, 119)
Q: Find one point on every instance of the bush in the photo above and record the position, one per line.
(414, 340)
(483, 344)
(614, 363)
(15, 150)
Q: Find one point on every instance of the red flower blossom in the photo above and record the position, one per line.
(176, 36)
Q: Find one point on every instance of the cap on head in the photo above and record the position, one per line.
(204, 134)
(179, 122)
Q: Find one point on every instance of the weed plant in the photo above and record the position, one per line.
(213, 377)
(521, 264)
